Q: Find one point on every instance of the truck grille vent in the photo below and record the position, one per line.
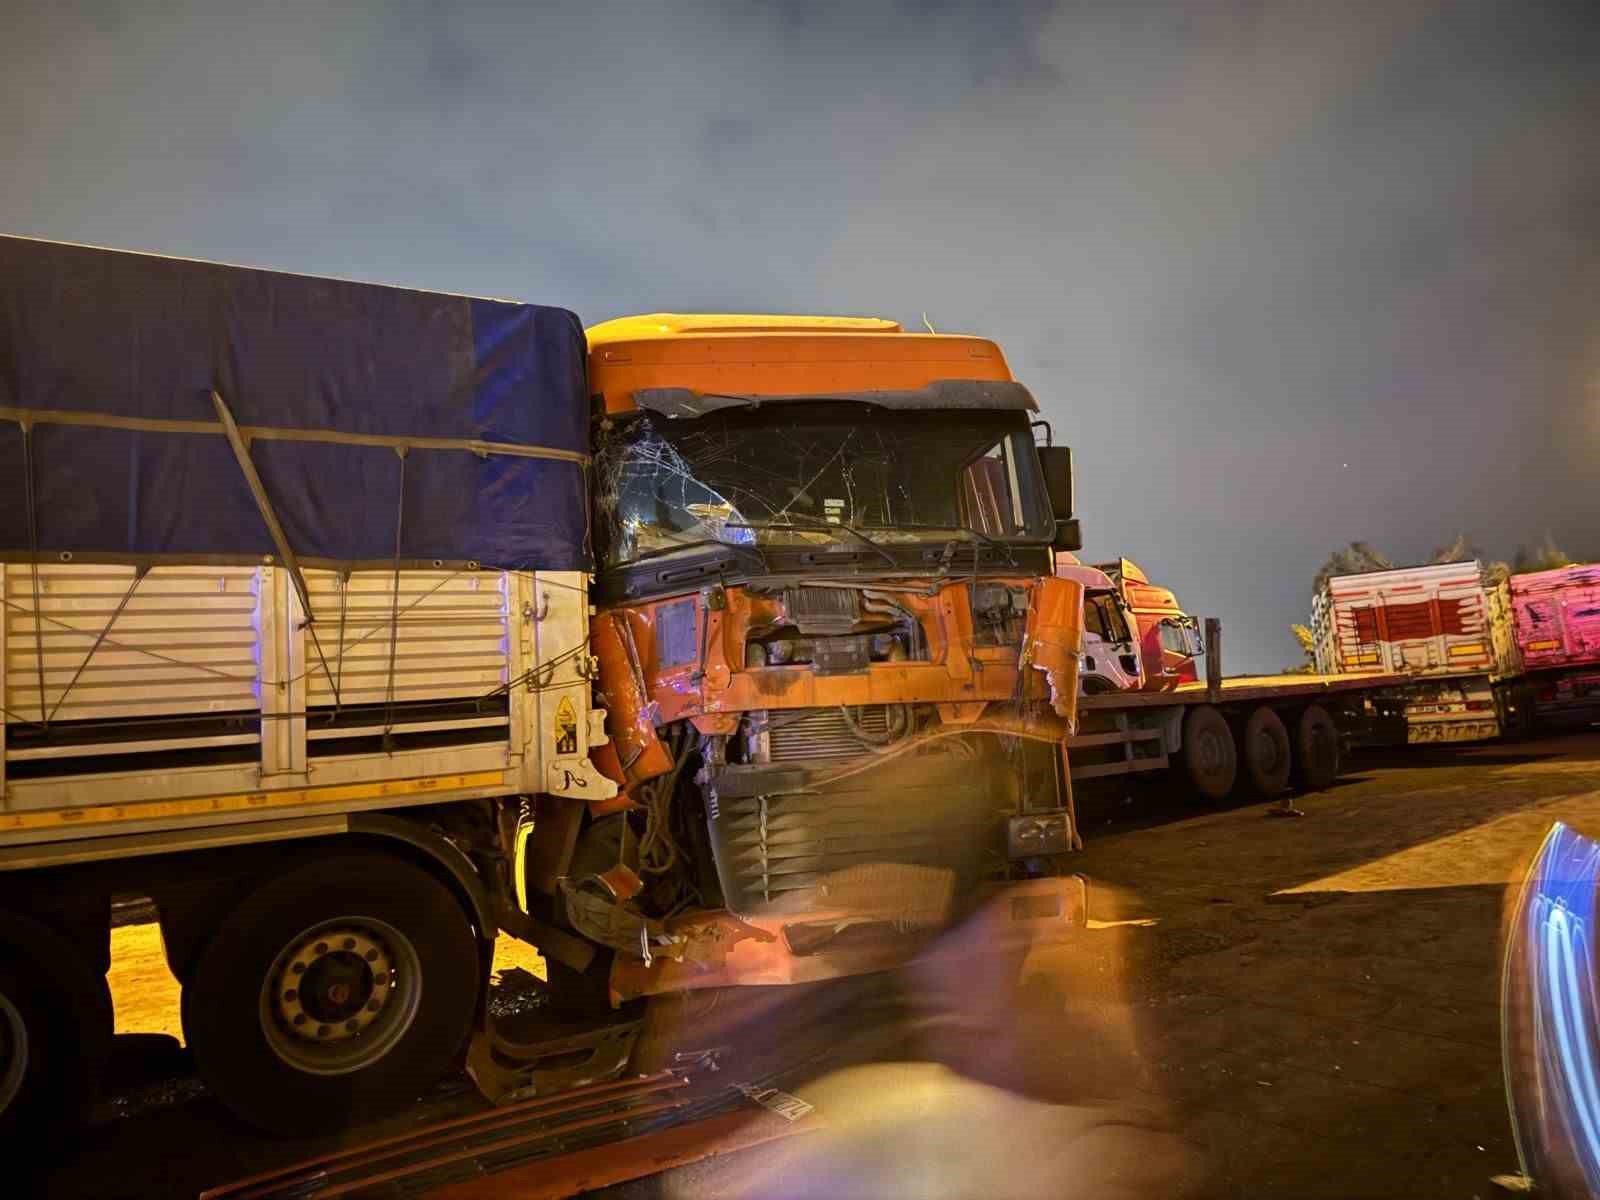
(823, 611)
(772, 847)
(798, 736)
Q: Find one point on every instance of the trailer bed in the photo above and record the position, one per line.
(1244, 687)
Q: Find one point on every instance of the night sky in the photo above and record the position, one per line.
(1286, 275)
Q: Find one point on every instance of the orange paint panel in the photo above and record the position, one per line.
(719, 684)
(634, 353)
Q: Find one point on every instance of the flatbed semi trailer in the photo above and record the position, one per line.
(1155, 699)
(1254, 736)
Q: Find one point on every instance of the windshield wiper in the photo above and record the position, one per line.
(695, 543)
(975, 535)
(821, 524)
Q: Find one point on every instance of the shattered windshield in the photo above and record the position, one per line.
(810, 473)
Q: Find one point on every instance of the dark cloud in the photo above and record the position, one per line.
(1287, 274)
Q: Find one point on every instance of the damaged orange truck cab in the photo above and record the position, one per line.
(838, 665)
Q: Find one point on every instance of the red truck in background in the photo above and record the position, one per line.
(1556, 623)
(1137, 638)
(1169, 638)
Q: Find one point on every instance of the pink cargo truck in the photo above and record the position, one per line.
(1556, 620)
(1443, 628)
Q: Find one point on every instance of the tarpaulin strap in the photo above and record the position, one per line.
(241, 451)
(33, 558)
(138, 575)
(394, 602)
(269, 433)
(323, 658)
(344, 605)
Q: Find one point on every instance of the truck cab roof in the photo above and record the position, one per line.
(772, 355)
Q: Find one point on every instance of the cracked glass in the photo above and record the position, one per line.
(799, 473)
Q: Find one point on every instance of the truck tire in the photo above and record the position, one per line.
(1208, 757)
(1316, 750)
(1264, 747)
(333, 994)
(55, 1034)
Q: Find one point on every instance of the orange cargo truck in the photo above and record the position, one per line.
(837, 666)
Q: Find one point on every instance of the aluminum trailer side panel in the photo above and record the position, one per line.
(195, 696)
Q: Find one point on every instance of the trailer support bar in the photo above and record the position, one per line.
(1214, 658)
(241, 451)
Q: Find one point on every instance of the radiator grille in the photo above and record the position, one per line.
(770, 847)
(943, 804)
(822, 733)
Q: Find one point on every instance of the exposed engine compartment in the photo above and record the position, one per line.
(805, 794)
(836, 631)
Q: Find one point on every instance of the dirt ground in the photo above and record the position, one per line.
(1311, 1003)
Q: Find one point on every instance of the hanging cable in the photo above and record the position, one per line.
(344, 606)
(897, 720)
(33, 559)
(658, 852)
(138, 574)
(394, 604)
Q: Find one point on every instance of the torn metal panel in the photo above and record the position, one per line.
(1054, 640)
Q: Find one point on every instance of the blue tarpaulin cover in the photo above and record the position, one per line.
(104, 336)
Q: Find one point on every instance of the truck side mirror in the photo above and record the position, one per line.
(1055, 462)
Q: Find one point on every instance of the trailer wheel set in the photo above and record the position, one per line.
(332, 993)
(327, 994)
(55, 1031)
(1252, 753)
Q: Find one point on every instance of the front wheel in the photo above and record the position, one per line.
(333, 994)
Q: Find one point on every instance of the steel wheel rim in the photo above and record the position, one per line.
(1268, 753)
(340, 995)
(13, 1052)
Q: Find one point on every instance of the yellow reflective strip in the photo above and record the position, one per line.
(1363, 659)
(1543, 645)
(200, 806)
(1467, 648)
